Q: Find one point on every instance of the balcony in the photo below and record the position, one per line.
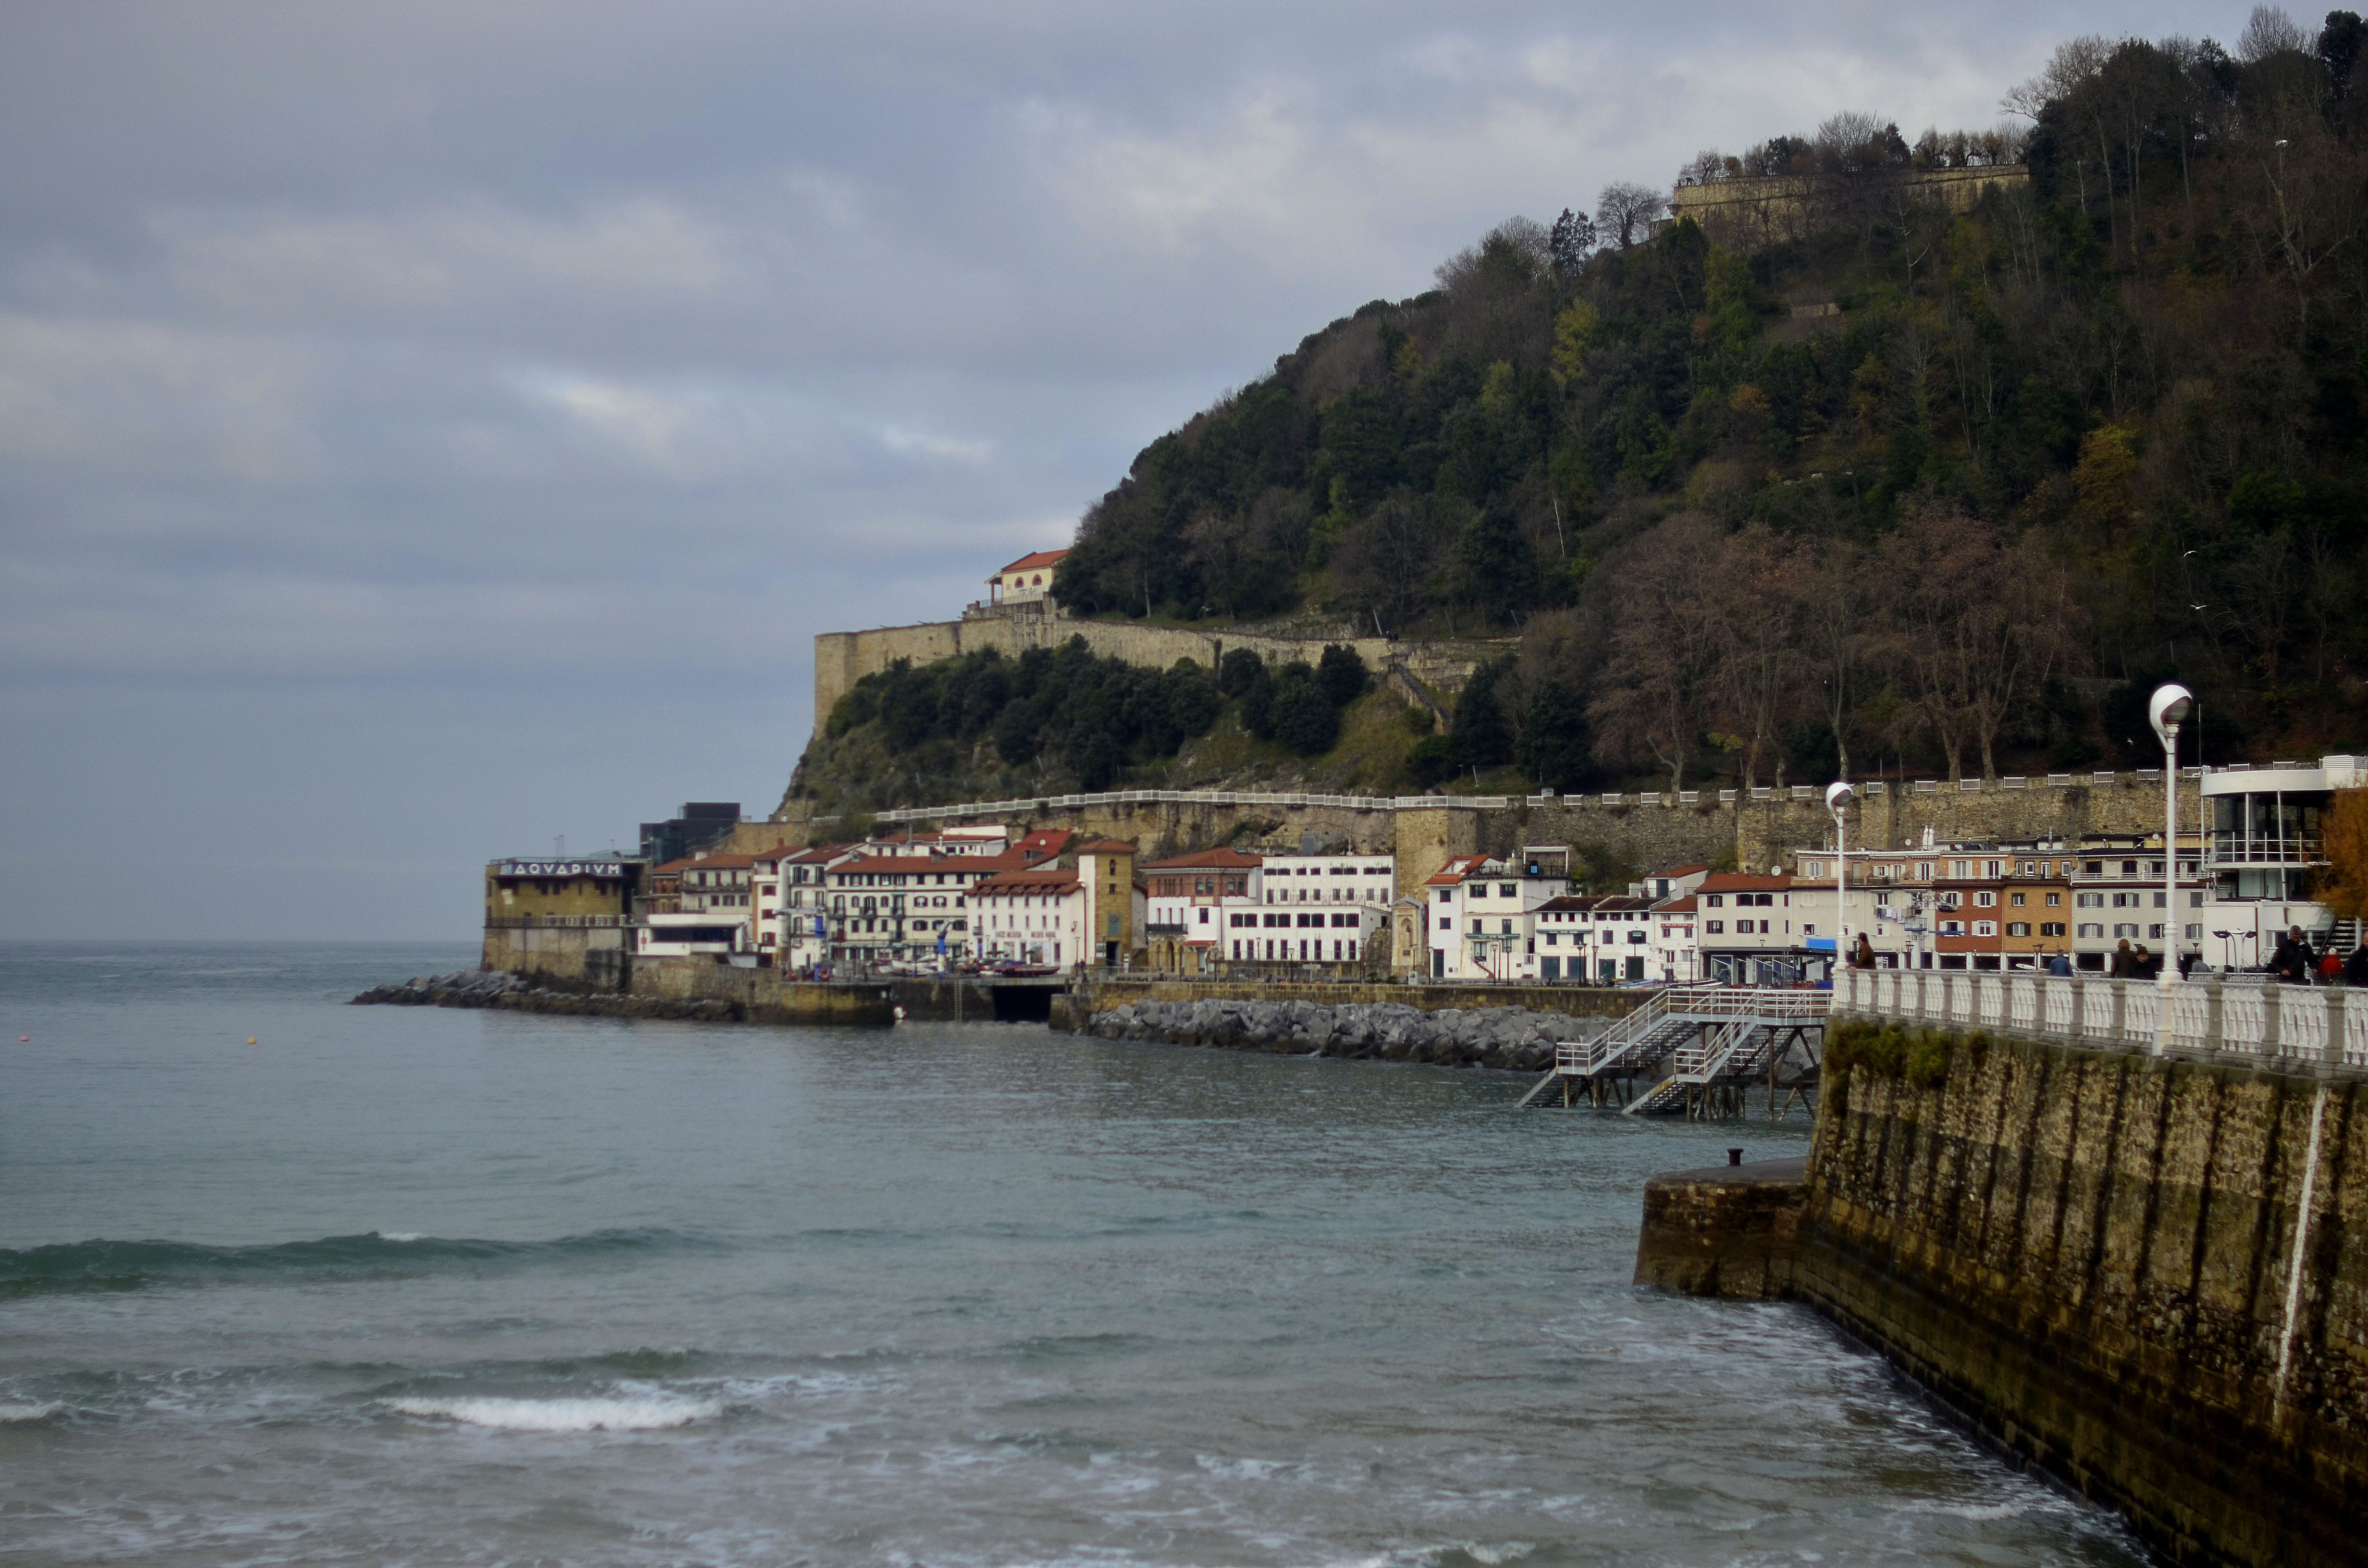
(2229, 849)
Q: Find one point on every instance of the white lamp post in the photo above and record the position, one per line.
(2168, 710)
(1838, 794)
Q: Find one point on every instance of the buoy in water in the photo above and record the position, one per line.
(250, 1039)
(900, 1015)
(24, 1040)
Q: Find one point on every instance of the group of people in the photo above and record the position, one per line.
(2294, 963)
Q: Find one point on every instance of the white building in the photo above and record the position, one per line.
(1058, 915)
(1201, 908)
(1026, 581)
(2264, 852)
(1597, 939)
(1315, 908)
(1478, 915)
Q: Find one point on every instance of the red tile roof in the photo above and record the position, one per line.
(1207, 860)
(1457, 868)
(1054, 879)
(1029, 563)
(1743, 882)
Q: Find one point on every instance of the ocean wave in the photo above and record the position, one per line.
(563, 1415)
(11, 1414)
(102, 1265)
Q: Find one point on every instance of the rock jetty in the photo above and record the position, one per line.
(516, 992)
(1515, 1039)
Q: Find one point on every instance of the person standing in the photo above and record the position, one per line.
(2121, 960)
(2060, 966)
(2355, 969)
(1862, 956)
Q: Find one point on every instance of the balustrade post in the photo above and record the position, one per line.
(2080, 1020)
(2271, 1042)
(2331, 1055)
(2213, 1027)
(2121, 1011)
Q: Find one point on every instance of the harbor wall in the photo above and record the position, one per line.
(2147, 1276)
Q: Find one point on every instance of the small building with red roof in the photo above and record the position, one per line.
(1026, 581)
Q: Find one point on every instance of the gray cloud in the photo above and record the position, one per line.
(427, 428)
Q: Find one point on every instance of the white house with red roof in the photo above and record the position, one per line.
(1035, 916)
(1025, 580)
(915, 908)
(1755, 930)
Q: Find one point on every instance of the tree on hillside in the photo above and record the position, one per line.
(1554, 748)
(1498, 570)
(1624, 212)
(1342, 674)
(1482, 734)
(1656, 689)
(1568, 241)
(1758, 595)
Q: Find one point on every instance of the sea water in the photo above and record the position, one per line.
(417, 1286)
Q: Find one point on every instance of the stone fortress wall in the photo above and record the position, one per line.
(1430, 674)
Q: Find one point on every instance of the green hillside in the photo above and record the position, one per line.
(2103, 427)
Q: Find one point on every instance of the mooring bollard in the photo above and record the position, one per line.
(1735, 1156)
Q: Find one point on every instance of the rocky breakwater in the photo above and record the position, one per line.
(1511, 1038)
(523, 994)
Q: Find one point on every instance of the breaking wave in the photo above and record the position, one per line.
(99, 1265)
(12, 1413)
(563, 1415)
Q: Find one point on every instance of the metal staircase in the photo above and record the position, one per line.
(1700, 1046)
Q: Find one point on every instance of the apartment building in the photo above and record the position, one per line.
(1315, 909)
(1478, 917)
(1192, 905)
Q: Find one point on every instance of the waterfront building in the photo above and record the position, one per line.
(1602, 939)
(561, 890)
(698, 905)
(1313, 909)
(1676, 952)
(1195, 906)
(2265, 854)
(1478, 915)
(1115, 901)
(1036, 917)
(700, 824)
(1752, 934)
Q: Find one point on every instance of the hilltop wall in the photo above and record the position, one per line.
(1437, 670)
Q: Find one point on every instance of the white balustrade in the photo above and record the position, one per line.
(2238, 1016)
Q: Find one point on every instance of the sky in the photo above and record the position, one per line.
(432, 431)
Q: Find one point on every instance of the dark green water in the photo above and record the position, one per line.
(401, 1284)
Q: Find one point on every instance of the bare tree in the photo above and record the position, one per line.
(1624, 214)
(2269, 31)
(1838, 627)
(1974, 627)
(1655, 690)
(1760, 610)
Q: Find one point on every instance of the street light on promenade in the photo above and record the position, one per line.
(1838, 794)
(2171, 704)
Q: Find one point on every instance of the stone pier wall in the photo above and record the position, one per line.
(2149, 1276)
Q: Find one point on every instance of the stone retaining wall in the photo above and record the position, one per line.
(2149, 1276)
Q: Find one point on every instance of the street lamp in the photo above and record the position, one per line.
(2168, 710)
(1839, 795)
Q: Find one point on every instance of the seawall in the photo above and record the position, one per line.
(2145, 1275)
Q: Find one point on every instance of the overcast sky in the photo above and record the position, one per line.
(427, 430)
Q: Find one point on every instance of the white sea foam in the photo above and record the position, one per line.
(9, 1412)
(400, 1236)
(563, 1414)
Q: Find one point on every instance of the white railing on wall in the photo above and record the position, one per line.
(2210, 1015)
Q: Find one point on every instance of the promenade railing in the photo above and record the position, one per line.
(2241, 1016)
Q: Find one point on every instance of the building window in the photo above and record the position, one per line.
(1715, 927)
